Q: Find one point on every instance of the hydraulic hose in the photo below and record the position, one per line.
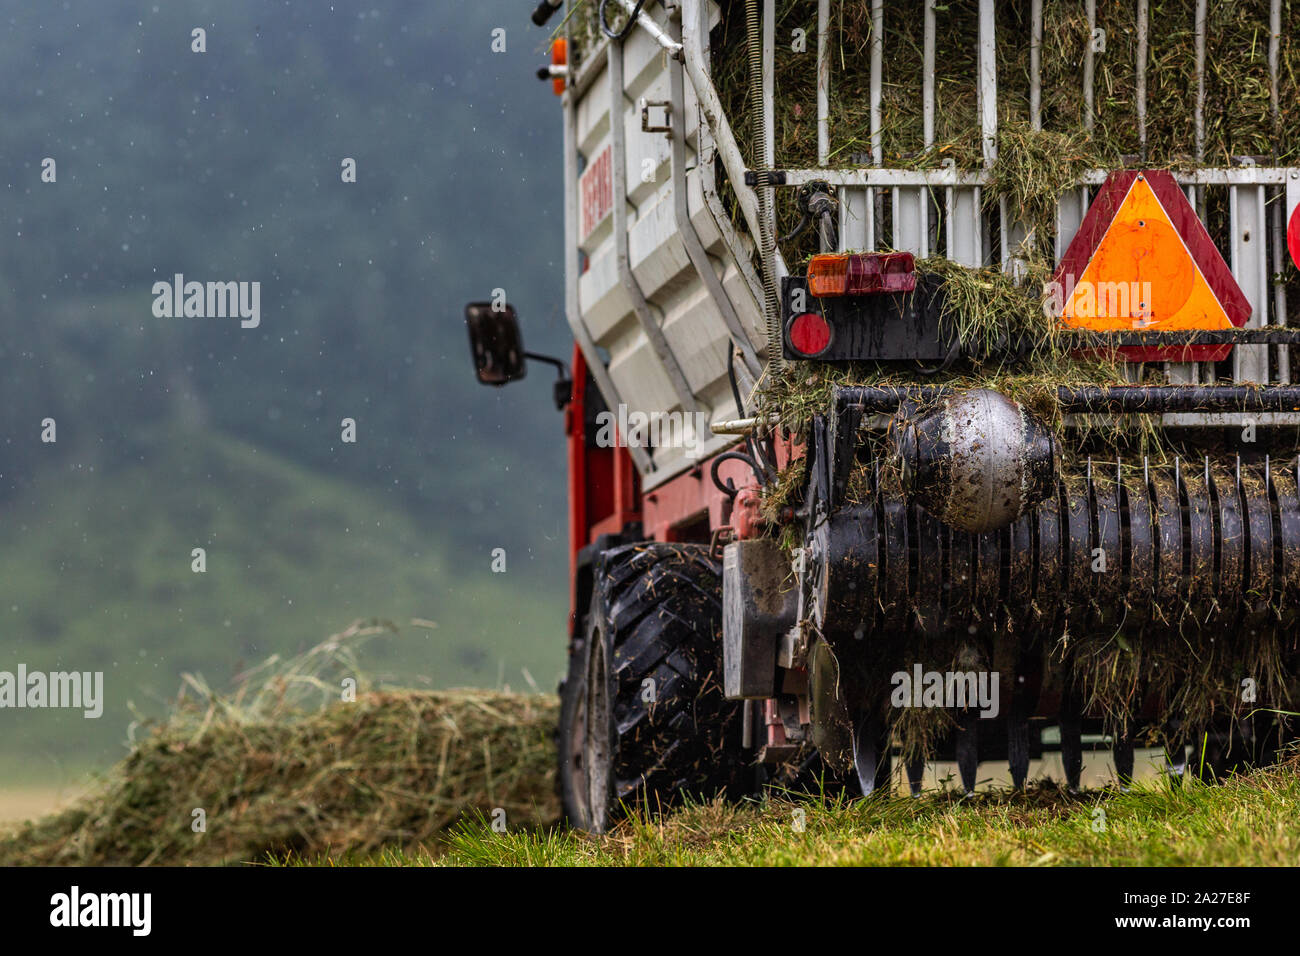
(609, 31)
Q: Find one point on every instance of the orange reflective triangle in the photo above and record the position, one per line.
(1142, 260)
(1142, 275)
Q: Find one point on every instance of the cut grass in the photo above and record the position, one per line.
(1249, 821)
(291, 763)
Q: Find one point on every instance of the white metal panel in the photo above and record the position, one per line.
(855, 219)
(639, 374)
(593, 116)
(604, 301)
(1250, 267)
(686, 327)
(965, 229)
(1070, 211)
(912, 221)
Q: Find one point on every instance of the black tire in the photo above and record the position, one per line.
(656, 615)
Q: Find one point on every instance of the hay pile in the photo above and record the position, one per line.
(276, 775)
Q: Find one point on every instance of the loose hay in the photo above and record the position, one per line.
(276, 775)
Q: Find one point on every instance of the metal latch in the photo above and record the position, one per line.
(647, 106)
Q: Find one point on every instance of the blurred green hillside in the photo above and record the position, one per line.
(97, 575)
(185, 432)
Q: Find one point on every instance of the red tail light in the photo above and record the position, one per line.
(810, 335)
(861, 273)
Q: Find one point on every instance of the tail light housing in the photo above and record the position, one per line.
(864, 273)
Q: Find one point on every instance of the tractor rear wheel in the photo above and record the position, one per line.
(643, 720)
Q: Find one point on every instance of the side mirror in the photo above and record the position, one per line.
(495, 342)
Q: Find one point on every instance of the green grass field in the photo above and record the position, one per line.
(1247, 822)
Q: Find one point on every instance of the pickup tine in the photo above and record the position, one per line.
(915, 775)
(1071, 718)
(1175, 751)
(968, 748)
(1024, 701)
(1122, 749)
(871, 755)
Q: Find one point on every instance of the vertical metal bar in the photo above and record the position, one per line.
(1198, 117)
(988, 83)
(1089, 66)
(1279, 288)
(758, 51)
(769, 91)
(1036, 64)
(1274, 45)
(1261, 270)
(869, 216)
(877, 78)
(618, 140)
(1198, 120)
(1279, 207)
(1143, 20)
(877, 97)
(1004, 234)
(823, 83)
(927, 76)
(949, 205)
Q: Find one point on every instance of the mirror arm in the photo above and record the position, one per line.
(564, 383)
(549, 360)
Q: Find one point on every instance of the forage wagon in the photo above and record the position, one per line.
(973, 326)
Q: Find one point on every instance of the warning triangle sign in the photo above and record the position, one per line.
(1143, 261)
